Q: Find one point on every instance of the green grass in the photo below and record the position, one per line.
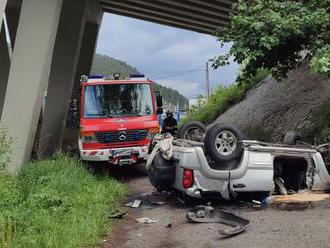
(222, 99)
(56, 203)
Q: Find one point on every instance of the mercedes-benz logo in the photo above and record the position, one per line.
(122, 136)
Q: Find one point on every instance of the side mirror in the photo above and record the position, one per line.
(160, 111)
(159, 101)
(73, 106)
(72, 121)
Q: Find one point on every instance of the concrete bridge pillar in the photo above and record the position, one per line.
(2, 9)
(73, 34)
(62, 74)
(13, 11)
(4, 65)
(12, 16)
(85, 62)
(28, 75)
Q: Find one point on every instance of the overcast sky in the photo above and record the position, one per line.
(169, 56)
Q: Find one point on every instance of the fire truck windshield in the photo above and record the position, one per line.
(117, 100)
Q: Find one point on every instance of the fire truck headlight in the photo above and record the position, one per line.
(88, 138)
(152, 132)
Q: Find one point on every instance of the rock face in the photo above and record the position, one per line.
(272, 108)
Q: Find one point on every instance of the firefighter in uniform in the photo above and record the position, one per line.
(170, 125)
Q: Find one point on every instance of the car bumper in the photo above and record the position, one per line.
(127, 155)
(202, 186)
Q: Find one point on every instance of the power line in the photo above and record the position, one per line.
(175, 71)
(179, 74)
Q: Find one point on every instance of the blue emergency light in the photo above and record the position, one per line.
(98, 76)
(136, 76)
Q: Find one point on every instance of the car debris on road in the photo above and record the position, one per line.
(207, 214)
(150, 199)
(146, 220)
(117, 214)
(134, 204)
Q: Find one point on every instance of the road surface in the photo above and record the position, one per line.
(268, 228)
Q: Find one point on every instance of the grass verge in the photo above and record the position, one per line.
(56, 203)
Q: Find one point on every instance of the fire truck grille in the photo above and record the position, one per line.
(121, 136)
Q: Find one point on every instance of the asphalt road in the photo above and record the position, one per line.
(268, 228)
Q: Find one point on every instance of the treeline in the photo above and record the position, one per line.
(172, 97)
(106, 65)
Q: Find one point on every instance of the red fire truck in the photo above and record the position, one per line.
(118, 118)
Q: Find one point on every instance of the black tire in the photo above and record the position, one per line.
(224, 149)
(290, 138)
(161, 173)
(185, 132)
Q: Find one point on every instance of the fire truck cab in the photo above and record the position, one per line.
(118, 118)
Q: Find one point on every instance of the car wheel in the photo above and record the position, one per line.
(193, 130)
(223, 142)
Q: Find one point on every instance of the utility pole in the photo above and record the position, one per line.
(207, 81)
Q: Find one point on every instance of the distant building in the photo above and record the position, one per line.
(196, 101)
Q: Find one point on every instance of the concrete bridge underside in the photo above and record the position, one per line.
(52, 43)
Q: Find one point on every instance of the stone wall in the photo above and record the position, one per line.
(272, 108)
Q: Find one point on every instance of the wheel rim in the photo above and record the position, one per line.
(194, 134)
(226, 143)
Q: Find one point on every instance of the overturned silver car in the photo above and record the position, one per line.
(227, 164)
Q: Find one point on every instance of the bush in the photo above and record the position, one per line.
(5, 154)
(56, 203)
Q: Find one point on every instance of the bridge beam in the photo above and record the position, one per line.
(28, 75)
(195, 15)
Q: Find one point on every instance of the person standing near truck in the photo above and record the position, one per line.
(170, 125)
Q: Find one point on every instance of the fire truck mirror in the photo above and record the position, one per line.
(73, 106)
(159, 101)
(72, 121)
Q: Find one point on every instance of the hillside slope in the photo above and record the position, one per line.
(106, 65)
(272, 108)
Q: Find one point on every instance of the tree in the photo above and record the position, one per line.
(274, 35)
